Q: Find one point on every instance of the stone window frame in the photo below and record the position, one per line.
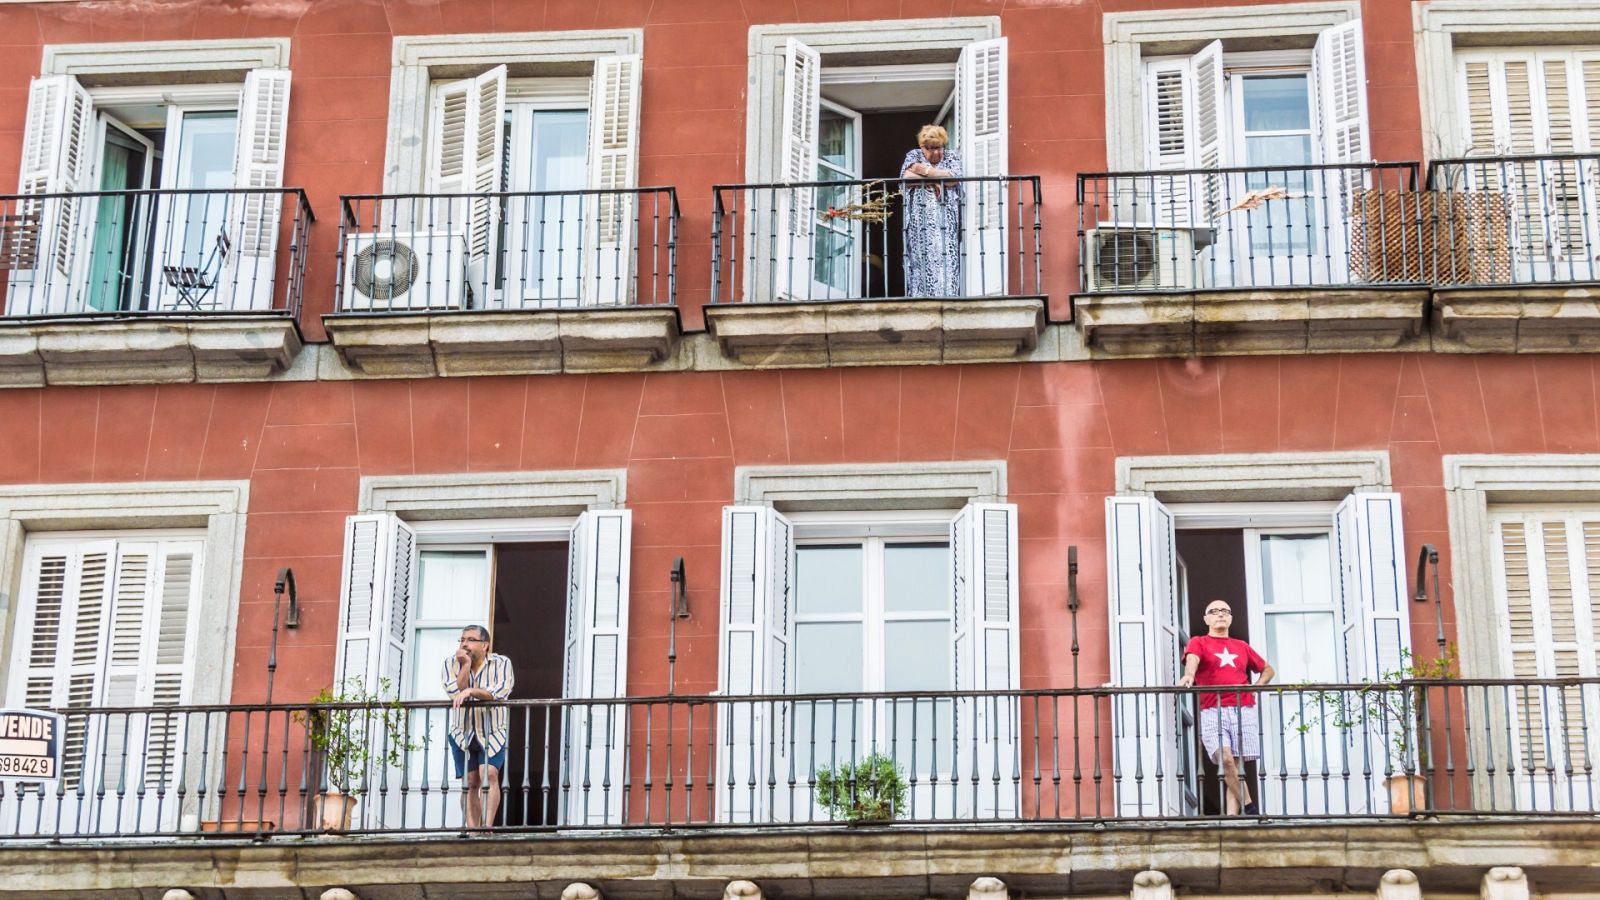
(1131, 36)
(1441, 25)
(219, 507)
(165, 61)
(874, 486)
(494, 495)
(887, 37)
(1472, 484)
(1255, 477)
(419, 60)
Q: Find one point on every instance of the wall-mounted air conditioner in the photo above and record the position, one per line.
(1138, 257)
(405, 270)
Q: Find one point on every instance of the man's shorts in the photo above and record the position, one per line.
(1236, 727)
(475, 752)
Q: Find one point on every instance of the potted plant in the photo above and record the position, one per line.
(872, 790)
(1394, 708)
(356, 734)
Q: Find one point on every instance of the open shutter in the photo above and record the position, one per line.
(795, 208)
(1142, 585)
(375, 599)
(1164, 199)
(753, 770)
(613, 166)
(468, 153)
(1339, 71)
(982, 139)
(983, 557)
(258, 164)
(597, 641)
(1372, 581)
(57, 158)
(1206, 77)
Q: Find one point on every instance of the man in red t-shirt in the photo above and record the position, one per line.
(1230, 728)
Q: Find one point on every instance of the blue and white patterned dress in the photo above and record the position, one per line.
(933, 230)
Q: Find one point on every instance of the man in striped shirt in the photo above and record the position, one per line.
(478, 732)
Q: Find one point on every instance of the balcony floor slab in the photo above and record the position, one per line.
(1517, 319)
(623, 339)
(145, 350)
(1269, 321)
(878, 332)
(1239, 859)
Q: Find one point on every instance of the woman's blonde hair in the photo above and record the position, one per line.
(933, 135)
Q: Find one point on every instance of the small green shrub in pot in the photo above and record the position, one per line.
(872, 790)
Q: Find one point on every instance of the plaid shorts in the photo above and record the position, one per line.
(1236, 727)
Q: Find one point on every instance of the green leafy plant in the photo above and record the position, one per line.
(1391, 705)
(872, 790)
(355, 742)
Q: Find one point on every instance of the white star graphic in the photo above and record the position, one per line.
(1224, 658)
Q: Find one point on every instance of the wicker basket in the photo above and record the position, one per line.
(1430, 237)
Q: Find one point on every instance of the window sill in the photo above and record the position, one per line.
(1281, 320)
(504, 343)
(1517, 319)
(145, 350)
(878, 332)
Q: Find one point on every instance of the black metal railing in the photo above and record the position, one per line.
(1522, 219)
(877, 239)
(174, 252)
(1250, 227)
(508, 250)
(1479, 748)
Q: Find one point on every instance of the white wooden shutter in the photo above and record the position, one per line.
(1141, 587)
(253, 219)
(795, 209)
(1206, 78)
(1372, 580)
(57, 157)
(1164, 199)
(983, 584)
(380, 564)
(468, 155)
(613, 165)
(756, 638)
(596, 667)
(983, 134)
(1339, 71)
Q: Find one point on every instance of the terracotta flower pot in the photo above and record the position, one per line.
(334, 810)
(1405, 793)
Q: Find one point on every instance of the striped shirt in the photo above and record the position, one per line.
(476, 719)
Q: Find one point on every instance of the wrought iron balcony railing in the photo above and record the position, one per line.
(863, 240)
(173, 252)
(1253, 227)
(1522, 219)
(1475, 747)
(410, 253)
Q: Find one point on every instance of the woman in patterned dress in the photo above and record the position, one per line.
(932, 217)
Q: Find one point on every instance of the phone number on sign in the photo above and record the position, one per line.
(37, 766)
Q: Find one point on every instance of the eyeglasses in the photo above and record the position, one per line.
(475, 640)
(1219, 611)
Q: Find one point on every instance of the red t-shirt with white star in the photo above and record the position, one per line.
(1224, 661)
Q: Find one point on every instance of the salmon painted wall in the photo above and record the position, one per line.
(695, 69)
(1059, 427)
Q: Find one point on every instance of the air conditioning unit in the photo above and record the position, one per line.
(1135, 257)
(405, 270)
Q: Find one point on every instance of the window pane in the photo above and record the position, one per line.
(827, 657)
(429, 651)
(827, 580)
(1276, 103)
(835, 144)
(453, 585)
(916, 577)
(205, 160)
(916, 656)
(1278, 150)
(1296, 570)
(1300, 646)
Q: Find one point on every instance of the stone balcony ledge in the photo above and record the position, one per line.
(1521, 318)
(1259, 321)
(522, 342)
(877, 332)
(145, 349)
(1449, 857)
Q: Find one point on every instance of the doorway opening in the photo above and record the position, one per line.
(519, 590)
